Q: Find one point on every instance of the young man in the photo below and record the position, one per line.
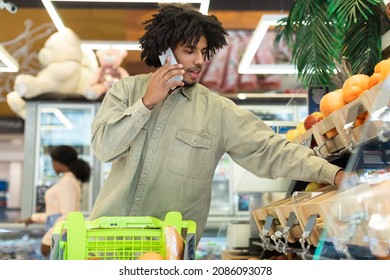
(165, 143)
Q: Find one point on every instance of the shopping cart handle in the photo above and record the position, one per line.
(190, 225)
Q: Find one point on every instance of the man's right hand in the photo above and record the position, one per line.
(159, 87)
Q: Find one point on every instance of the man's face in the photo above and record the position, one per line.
(192, 60)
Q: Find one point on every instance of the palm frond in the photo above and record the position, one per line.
(362, 45)
(350, 11)
(321, 32)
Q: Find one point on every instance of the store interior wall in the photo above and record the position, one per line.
(89, 24)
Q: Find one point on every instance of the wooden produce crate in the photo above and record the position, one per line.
(341, 122)
(324, 145)
(284, 210)
(311, 207)
(260, 215)
(283, 213)
(349, 114)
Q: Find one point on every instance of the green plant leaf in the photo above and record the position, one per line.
(321, 32)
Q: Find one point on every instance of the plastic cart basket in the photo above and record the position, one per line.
(117, 238)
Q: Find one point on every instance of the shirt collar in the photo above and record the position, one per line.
(188, 91)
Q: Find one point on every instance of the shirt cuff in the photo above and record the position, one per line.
(139, 111)
(328, 173)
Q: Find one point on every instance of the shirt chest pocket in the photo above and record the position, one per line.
(188, 156)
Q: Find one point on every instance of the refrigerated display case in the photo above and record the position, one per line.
(50, 123)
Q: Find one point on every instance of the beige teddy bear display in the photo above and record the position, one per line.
(67, 69)
(109, 72)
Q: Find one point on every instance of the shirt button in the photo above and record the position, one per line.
(144, 175)
(159, 127)
(195, 143)
(151, 151)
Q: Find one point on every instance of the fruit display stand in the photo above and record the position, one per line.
(269, 226)
(302, 226)
(288, 221)
(352, 221)
(295, 219)
(309, 212)
(338, 132)
(260, 216)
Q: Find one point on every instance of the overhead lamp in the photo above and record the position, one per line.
(245, 66)
(7, 62)
(125, 45)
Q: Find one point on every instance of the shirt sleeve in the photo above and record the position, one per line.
(117, 122)
(39, 218)
(256, 147)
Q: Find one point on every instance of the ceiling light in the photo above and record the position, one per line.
(7, 62)
(119, 45)
(65, 122)
(126, 45)
(245, 66)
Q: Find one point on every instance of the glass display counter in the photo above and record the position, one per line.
(18, 242)
(353, 220)
(358, 216)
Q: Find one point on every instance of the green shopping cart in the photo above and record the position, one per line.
(118, 238)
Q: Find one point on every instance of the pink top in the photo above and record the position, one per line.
(61, 198)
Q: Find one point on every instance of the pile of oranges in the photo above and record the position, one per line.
(355, 86)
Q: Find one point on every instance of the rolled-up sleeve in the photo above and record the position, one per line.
(117, 123)
(257, 148)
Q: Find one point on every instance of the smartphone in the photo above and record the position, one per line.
(163, 58)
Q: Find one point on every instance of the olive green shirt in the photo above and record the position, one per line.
(164, 159)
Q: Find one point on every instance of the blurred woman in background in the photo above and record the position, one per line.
(65, 195)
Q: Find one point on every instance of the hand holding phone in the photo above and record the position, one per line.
(163, 58)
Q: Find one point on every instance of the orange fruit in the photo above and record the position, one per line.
(151, 256)
(354, 86)
(331, 102)
(331, 133)
(361, 118)
(374, 79)
(383, 67)
(359, 121)
(363, 115)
